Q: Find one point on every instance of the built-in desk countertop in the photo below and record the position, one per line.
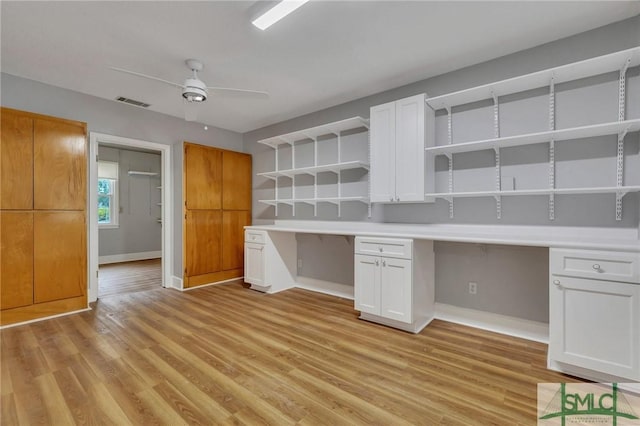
(622, 239)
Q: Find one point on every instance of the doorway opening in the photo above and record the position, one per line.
(129, 223)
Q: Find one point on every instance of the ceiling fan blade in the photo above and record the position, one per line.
(190, 110)
(147, 76)
(246, 91)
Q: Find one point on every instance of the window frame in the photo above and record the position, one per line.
(114, 208)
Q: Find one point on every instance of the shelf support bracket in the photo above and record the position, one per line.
(498, 185)
(276, 181)
(496, 134)
(450, 157)
(621, 136)
(552, 150)
(622, 89)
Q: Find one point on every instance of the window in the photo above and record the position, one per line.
(107, 194)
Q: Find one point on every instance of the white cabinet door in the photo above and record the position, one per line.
(596, 325)
(367, 284)
(410, 155)
(254, 263)
(396, 289)
(382, 132)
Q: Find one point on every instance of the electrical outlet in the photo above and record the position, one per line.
(473, 288)
(299, 263)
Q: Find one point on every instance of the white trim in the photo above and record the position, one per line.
(511, 326)
(92, 208)
(64, 314)
(326, 287)
(176, 283)
(129, 257)
(210, 284)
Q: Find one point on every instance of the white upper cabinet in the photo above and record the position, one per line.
(399, 133)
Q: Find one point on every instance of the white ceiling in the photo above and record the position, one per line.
(324, 54)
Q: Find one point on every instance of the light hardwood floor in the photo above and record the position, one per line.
(228, 355)
(129, 277)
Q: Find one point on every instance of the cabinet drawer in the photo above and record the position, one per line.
(254, 237)
(389, 247)
(603, 265)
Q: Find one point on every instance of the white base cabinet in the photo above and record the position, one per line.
(394, 282)
(268, 260)
(594, 305)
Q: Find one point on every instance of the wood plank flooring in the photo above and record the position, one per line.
(229, 355)
(129, 277)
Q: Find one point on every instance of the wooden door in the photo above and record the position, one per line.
(203, 177)
(16, 161)
(16, 259)
(203, 242)
(60, 255)
(367, 284)
(236, 181)
(396, 289)
(383, 152)
(60, 165)
(233, 223)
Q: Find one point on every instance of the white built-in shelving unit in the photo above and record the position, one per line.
(314, 134)
(615, 62)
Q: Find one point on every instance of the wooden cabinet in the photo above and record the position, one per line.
(594, 303)
(236, 179)
(400, 131)
(43, 259)
(203, 241)
(16, 161)
(233, 223)
(59, 165)
(60, 255)
(202, 177)
(217, 207)
(16, 259)
(394, 282)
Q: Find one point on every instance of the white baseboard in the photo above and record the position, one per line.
(129, 257)
(512, 326)
(176, 283)
(326, 287)
(210, 284)
(64, 314)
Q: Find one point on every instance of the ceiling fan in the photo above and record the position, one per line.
(194, 90)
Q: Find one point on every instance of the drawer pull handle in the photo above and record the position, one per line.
(380, 248)
(556, 282)
(596, 266)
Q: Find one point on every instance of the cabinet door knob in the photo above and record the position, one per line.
(556, 282)
(390, 198)
(397, 198)
(384, 263)
(380, 248)
(377, 262)
(596, 266)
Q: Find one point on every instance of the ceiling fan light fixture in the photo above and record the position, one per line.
(194, 90)
(277, 12)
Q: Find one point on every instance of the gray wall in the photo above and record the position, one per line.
(113, 118)
(504, 274)
(138, 197)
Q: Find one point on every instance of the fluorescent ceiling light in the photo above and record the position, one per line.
(277, 12)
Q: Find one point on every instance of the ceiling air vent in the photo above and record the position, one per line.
(132, 102)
